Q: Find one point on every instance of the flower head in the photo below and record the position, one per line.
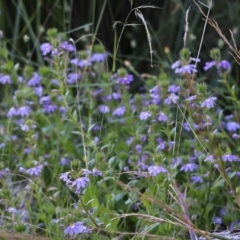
(124, 80)
(173, 88)
(46, 48)
(187, 68)
(65, 176)
(35, 171)
(189, 167)
(232, 126)
(5, 79)
(154, 92)
(35, 80)
(120, 111)
(103, 109)
(99, 57)
(224, 65)
(24, 111)
(209, 65)
(229, 158)
(67, 46)
(80, 183)
(162, 117)
(76, 228)
(73, 78)
(172, 98)
(49, 108)
(145, 115)
(196, 179)
(155, 170)
(209, 102)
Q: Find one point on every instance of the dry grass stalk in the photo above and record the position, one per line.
(235, 51)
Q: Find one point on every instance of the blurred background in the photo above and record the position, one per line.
(24, 22)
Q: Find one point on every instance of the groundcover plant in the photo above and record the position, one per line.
(83, 158)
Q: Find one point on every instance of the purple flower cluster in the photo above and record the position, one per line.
(33, 171)
(223, 65)
(23, 111)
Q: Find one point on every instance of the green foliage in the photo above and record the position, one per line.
(83, 156)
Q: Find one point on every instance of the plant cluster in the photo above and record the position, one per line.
(82, 157)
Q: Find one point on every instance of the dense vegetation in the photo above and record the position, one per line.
(124, 130)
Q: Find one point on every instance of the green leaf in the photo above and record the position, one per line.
(100, 237)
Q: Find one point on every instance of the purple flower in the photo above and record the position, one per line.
(45, 100)
(138, 148)
(64, 161)
(217, 220)
(143, 138)
(73, 78)
(224, 65)
(120, 111)
(3, 173)
(145, 115)
(12, 112)
(24, 111)
(86, 172)
(126, 80)
(189, 68)
(196, 179)
(65, 176)
(235, 136)
(161, 144)
(116, 96)
(191, 98)
(67, 47)
(80, 183)
(96, 172)
(39, 91)
(54, 52)
(74, 61)
(130, 141)
(5, 79)
(232, 126)
(222, 212)
(99, 57)
(55, 82)
(228, 117)
(103, 109)
(25, 127)
(155, 170)
(209, 102)
(12, 210)
(76, 228)
(176, 162)
(84, 63)
(46, 48)
(154, 92)
(34, 171)
(20, 79)
(162, 117)
(35, 80)
(209, 65)
(173, 88)
(189, 167)
(172, 98)
(97, 128)
(49, 108)
(171, 144)
(229, 158)
(209, 158)
(186, 69)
